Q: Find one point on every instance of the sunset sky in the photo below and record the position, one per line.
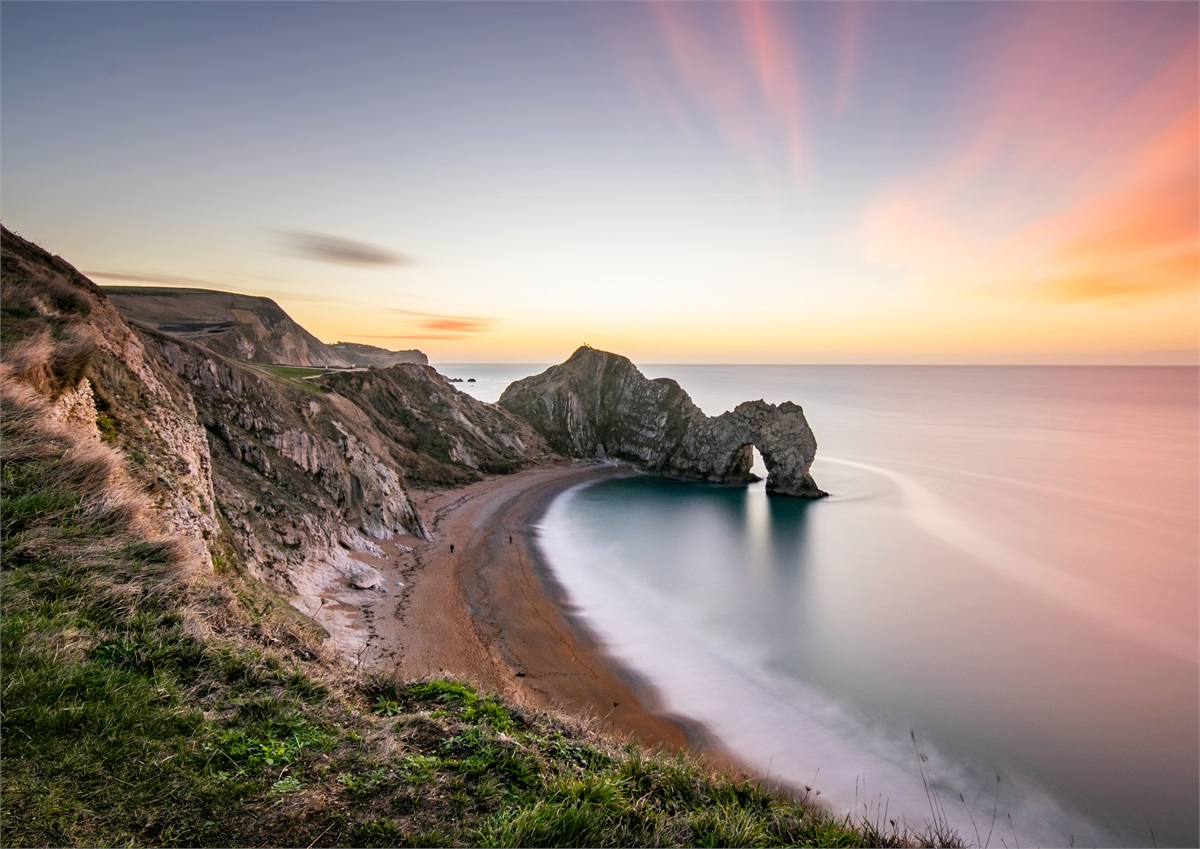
(679, 182)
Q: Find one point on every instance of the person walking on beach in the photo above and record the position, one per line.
(451, 548)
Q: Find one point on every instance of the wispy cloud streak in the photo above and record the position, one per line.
(849, 39)
(733, 66)
(1078, 178)
(339, 250)
(143, 279)
(427, 325)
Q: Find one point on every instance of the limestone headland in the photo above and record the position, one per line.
(599, 405)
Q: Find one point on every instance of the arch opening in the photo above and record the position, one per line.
(758, 466)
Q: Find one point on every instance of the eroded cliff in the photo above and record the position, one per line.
(597, 404)
(439, 434)
(290, 478)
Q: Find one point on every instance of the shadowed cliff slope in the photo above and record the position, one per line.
(439, 434)
(598, 404)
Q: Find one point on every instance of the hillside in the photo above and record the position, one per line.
(241, 327)
(373, 357)
(298, 481)
(164, 512)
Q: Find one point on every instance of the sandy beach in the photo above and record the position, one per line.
(477, 603)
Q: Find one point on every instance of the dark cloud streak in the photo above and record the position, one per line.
(171, 281)
(168, 280)
(335, 249)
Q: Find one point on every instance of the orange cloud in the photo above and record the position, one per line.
(1140, 239)
(437, 326)
(1079, 179)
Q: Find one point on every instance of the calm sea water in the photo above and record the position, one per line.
(1007, 570)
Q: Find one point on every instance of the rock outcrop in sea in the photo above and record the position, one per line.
(597, 404)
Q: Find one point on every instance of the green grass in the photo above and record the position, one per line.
(146, 703)
(297, 375)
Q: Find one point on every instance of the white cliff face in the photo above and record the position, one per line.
(305, 480)
(77, 409)
(598, 404)
(302, 481)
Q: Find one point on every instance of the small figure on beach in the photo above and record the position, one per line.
(451, 548)
(510, 539)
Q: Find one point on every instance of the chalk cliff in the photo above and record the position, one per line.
(597, 404)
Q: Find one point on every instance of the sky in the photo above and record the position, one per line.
(759, 182)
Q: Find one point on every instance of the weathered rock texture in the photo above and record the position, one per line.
(439, 434)
(241, 327)
(373, 357)
(598, 404)
(302, 478)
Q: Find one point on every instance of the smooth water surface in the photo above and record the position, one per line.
(1007, 568)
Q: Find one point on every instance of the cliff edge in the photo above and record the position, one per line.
(597, 404)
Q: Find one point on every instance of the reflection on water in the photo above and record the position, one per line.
(1007, 567)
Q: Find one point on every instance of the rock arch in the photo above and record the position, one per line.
(598, 404)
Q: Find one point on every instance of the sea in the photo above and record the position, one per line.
(990, 625)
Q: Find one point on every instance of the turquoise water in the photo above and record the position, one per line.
(1007, 568)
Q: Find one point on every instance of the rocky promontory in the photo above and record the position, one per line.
(597, 404)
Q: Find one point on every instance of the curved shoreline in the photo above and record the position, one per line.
(491, 612)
